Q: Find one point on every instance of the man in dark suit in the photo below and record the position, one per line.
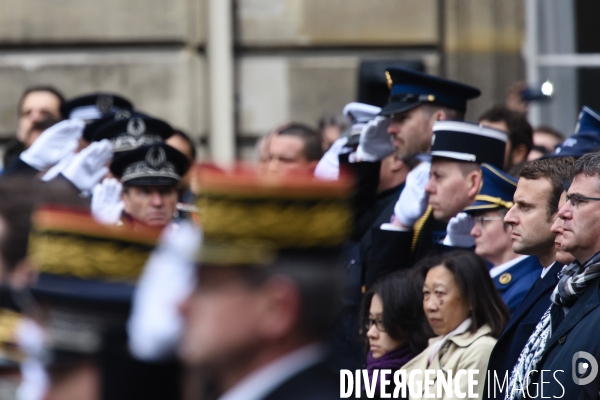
(267, 288)
(535, 209)
(513, 274)
(572, 345)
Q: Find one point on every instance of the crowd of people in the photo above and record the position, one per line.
(394, 238)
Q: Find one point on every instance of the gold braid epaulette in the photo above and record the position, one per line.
(419, 227)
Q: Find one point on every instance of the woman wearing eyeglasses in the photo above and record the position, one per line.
(466, 313)
(394, 322)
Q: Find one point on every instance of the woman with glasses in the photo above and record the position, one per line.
(466, 313)
(394, 322)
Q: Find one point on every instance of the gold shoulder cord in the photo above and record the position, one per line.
(418, 227)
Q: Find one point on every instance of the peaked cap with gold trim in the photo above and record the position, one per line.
(409, 89)
(80, 258)
(251, 219)
(497, 190)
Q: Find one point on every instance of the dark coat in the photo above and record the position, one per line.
(20, 167)
(392, 250)
(514, 283)
(315, 383)
(371, 209)
(578, 331)
(520, 327)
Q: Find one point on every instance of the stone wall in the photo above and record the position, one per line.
(295, 59)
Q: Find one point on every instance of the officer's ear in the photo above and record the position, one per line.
(474, 182)
(280, 309)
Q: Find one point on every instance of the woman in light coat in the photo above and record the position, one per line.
(467, 314)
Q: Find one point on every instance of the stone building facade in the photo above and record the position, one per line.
(293, 59)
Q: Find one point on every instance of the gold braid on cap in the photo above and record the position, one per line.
(9, 350)
(253, 216)
(67, 242)
(494, 200)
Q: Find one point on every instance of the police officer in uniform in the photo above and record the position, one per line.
(150, 176)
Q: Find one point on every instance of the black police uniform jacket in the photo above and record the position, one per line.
(394, 250)
(521, 325)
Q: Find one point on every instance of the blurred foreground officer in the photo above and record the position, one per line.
(150, 175)
(88, 273)
(267, 287)
(513, 274)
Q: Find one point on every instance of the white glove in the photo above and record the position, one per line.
(54, 144)
(458, 231)
(412, 203)
(328, 167)
(155, 325)
(34, 379)
(107, 205)
(58, 168)
(88, 167)
(375, 142)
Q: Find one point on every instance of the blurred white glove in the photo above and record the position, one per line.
(328, 167)
(458, 231)
(375, 142)
(54, 144)
(88, 167)
(412, 203)
(58, 168)
(34, 379)
(155, 324)
(107, 205)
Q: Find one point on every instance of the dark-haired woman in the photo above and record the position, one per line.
(466, 313)
(395, 323)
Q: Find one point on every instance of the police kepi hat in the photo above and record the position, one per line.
(150, 165)
(94, 106)
(409, 89)
(464, 141)
(585, 139)
(497, 190)
(128, 130)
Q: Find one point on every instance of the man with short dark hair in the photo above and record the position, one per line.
(38, 103)
(565, 338)
(513, 274)
(520, 135)
(531, 217)
(294, 147)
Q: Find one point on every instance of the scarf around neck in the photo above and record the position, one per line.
(393, 360)
(574, 280)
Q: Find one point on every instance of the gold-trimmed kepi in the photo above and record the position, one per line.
(497, 190)
(248, 218)
(70, 243)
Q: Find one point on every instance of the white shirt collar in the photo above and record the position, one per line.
(262, 381)
(545, 270)
(497, 270)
